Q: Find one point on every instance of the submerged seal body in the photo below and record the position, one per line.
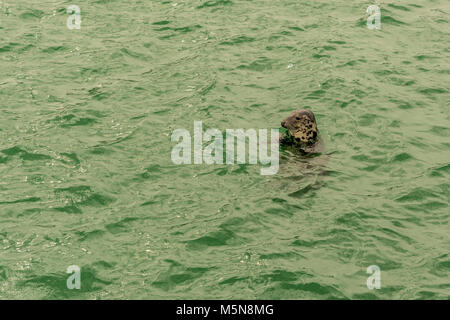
(302, 132)
(303, 162)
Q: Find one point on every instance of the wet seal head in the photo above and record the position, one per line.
(301, 129)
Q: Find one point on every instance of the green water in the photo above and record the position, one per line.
(86, 175)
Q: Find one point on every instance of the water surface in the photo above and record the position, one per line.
(85, 171)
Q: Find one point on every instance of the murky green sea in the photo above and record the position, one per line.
(86, 176)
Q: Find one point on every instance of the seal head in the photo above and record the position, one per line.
(301, 128)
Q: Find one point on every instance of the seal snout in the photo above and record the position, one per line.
(283, 124)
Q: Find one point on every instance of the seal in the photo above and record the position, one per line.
(302, 132)
(303, 160)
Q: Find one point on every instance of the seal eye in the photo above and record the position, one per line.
(297, 118)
